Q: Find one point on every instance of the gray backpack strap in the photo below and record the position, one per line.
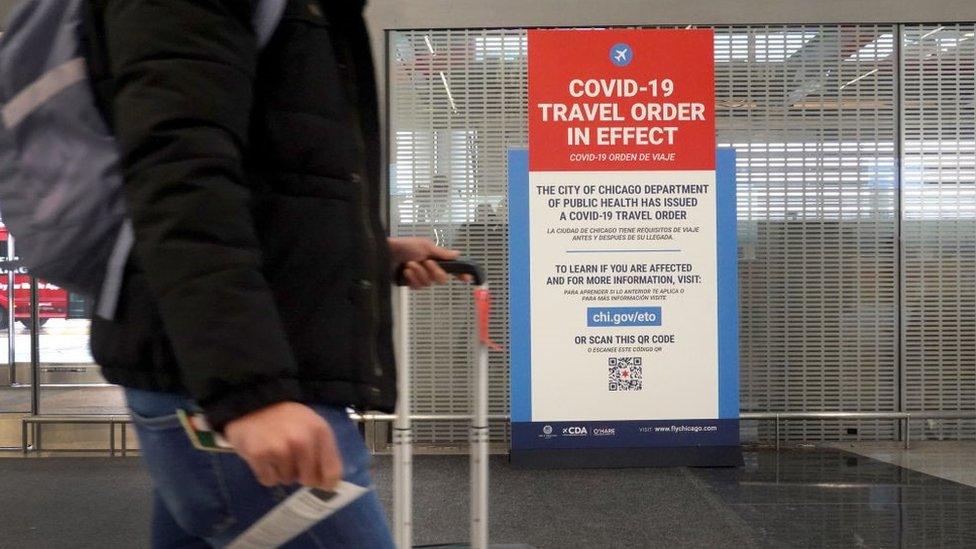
(115, 271)
(61, 195)
(40, 91)
(61, 187)
(267, 14)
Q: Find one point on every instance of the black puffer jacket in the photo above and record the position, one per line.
(261, 270)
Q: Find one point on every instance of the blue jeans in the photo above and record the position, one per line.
(203, 499)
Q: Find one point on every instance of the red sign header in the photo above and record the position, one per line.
(621, 100)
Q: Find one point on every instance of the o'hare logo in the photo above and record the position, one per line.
(621, 54)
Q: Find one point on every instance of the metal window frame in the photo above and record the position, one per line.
(916, 120)
(895, 404)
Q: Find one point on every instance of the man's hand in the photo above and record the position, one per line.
(287, 443)
(418, 256)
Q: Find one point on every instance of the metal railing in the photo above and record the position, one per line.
(35, 421)
(776, 417)
(905, 417)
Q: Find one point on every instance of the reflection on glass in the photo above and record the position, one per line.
(69, 380)
(71, 383)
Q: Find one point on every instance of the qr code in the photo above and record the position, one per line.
(626, 374)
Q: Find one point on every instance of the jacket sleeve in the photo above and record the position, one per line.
(184, 72)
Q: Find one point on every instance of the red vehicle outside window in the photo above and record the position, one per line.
(52, 300)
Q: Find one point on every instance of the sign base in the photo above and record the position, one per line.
(618, 458)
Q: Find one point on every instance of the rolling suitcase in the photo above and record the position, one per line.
(402, 427)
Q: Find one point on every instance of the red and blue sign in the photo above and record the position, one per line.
(623, 309)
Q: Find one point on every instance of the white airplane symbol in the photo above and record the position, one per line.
(621, 55)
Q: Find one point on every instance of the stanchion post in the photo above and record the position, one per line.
(479, 432)
(402, 434)
(11, 314)
(908, 430)
(776, 424)
(35, 354)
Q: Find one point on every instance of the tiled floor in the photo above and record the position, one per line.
(951, 460)
(826, 498)
(793, 498)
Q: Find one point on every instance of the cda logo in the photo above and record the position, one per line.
(575, 431)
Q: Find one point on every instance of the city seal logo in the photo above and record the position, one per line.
(621, 54)
(547, 430)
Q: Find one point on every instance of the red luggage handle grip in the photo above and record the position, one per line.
(453, 267)
(482, 298)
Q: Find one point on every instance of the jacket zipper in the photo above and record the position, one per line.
(370, 236)
(373, 299)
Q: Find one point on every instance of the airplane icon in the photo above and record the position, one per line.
(621, 54)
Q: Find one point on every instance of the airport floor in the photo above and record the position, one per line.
(65, 400)
(793, 498)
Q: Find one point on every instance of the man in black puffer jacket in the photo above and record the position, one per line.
(258, 289)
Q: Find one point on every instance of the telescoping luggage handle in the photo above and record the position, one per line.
(455, 267)
(402, 428)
